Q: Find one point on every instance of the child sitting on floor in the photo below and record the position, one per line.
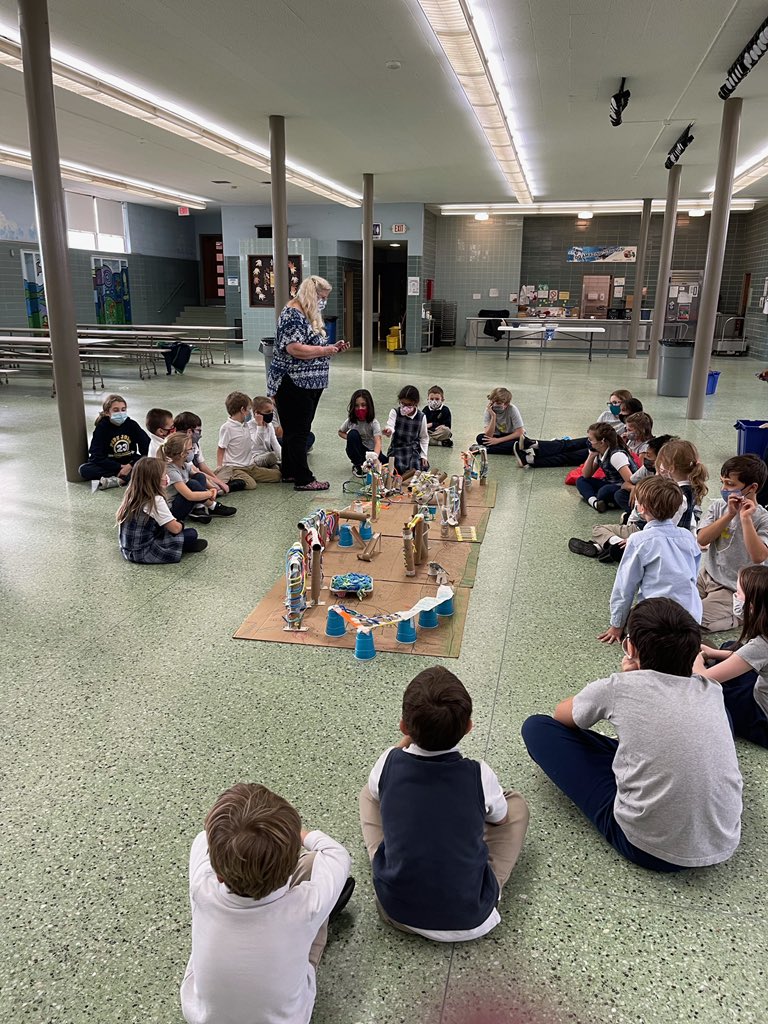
(637, 433)
(679, 461)
(441, 833)
(117, 443)
(149, 533)
(407, 426)
(189, 423)
(190, 494)
(667, 793)
(607, 452)
(742, 667)
(235, 458)
(660, 561)
(159, 424)
(361, 430)
(262, 890)
(611, 414)
(438, 417)
(734, 534)
(267, 450)
(502, 423)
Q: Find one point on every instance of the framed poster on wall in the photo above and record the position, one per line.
(111, 293)
(261, 279)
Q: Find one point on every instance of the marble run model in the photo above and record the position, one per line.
(475, 460)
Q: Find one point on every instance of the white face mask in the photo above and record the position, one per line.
(738, 607)
(435, 404)
(321, 304)
(166, 481)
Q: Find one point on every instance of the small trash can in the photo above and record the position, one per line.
(753, 437)
(712, 379)
(675, 368)
(267, 346)
(330, 328)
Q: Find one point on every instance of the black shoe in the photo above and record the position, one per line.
(222, 510)
(601, 506)
(611, 553)
(343, 900)
(624, 518)
(198, 545)
(358, 471)
(519, 454)
(447, 444)
(200, 514)
(583, 547)
(236, 485)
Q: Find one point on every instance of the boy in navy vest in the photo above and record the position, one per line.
(441, 833)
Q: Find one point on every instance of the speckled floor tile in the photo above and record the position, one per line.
(127, 707)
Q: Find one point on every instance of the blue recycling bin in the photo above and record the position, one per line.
(330, 328)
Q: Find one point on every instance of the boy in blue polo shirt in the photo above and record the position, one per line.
(442, 835)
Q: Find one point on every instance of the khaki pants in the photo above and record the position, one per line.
(303, 873)
(718, 605)
(250, 475)
(602, 534)
(504, 842)
(439, 434)
(267, 459)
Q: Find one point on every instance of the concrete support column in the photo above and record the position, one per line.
(665, 266)
(52, 226)
(367, 272)
(713, 269)
(642, 251)
(279, 211)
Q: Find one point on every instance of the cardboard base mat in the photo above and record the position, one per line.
(266, 623)
(390, 522)
(459, 560)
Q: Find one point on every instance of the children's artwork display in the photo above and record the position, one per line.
(111, 294)
(261, 279)
(405, 558)
(34, 289)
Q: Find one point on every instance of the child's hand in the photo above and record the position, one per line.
(405, 741)
(387, 432)
(224, 488)
(746, 508)
(489, 442)
(612, 635)
(425, 463)
(124, 471)
(711, 652)
(734, 505)
(212, 494)
(698, 665)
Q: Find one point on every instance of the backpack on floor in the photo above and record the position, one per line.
(574, 474)
(177, 356)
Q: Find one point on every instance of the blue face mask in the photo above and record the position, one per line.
(196, 435)
(248, 418)
(615, 409)
(118, 418)
(727, 494)
(189, 457)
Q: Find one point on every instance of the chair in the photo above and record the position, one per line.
(495, 317)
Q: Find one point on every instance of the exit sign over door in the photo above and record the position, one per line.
(399, 229)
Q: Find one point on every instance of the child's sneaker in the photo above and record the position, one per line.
(344, 897)
(221, 510)
(448, 443)
(358, 471)
(236, 485)
(106, 482)
(198, 545)
(200, 514)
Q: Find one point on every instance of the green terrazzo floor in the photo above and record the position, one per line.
(127, 707)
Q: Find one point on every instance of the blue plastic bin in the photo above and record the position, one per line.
(712, 379)
(753, 437)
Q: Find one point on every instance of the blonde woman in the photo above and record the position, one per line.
(149, 533)
(299, 375)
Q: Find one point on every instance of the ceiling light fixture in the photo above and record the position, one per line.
(751, 173)
(683, 142)
(452, 23)
(10, 156)
(97, 85)
(619, 102)
(575, 208)
(749, 56)
(697, 213)
(586, 215)
(394, 245)
(482, 216)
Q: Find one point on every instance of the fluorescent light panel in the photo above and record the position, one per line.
(609, 206)
(12, 157)
(136, 103)
(452, 23)
(751, 173)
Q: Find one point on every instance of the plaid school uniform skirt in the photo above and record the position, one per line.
(145, 541)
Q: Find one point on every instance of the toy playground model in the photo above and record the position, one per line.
(405, 552)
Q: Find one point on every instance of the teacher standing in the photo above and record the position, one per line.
(298, 376)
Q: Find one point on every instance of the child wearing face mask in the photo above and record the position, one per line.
(189, 493)
(638, 430)
(741, 667)
(235, 453)
(159, 424)
(361, 430)
(734, 534)
(189, 423)
(117, 443)
(407, 426)
(267, 451)
(613, 409)
(607, 453)
(149, 532)
(502, 423)
(438, 417)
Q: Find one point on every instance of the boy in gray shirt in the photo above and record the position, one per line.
(667, 793)
(733, 534)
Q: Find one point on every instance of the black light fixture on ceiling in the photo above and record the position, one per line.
(746, 60)
(619, 102)
(679, 147)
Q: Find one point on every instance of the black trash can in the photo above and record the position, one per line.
(675, 366)
(267, 346)
(330, 328)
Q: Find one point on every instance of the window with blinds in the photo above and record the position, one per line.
(96, 224)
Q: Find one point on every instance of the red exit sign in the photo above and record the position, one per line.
(183, 211)
(399, 229)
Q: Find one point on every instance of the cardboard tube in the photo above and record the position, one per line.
(462, 497)
(410, 568)
(374, 497)
(317, 574)
(420, 542)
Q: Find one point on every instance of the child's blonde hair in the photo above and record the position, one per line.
(144, 486)
(642, 423)
(261, 403)
(682, 458)
(500, 396)
(306, 299)
(173, 446)
(106, 405)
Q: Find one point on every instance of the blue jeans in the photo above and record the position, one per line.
(580, 763)
(748, 719)
(181, 507)
(588, 488)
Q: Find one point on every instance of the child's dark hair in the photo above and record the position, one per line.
(605, 432)
(369, 410)
(436, 709)
(655, 444)
(754, 583)
(748, 468)
(666, 636)
(409, 394)
(632, 405)
(235, 401)
(660, 497)
(156, 418)
(187, 421)
(642, 423)
(436, 390)
(254, 839)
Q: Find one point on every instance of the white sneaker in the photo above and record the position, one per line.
(108, 481)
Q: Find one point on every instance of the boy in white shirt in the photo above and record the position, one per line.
(266, 447)
(235, 456)
(160, 426)
(262, 891)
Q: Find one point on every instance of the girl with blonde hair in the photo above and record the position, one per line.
(298, 375)
(188, 491)
(149, 532)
